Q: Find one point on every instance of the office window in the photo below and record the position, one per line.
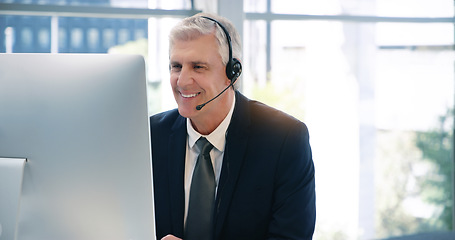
(378, 99)
(123, 36)
(170, 5)
(62, 39)
(77, 38)
(108, 38)
(391, 8)
(93, 38)
(26, 36)
(414, 8)
(9, 39)
(98, 35)
(414, 91)
(306, 7)
(44, 38)
(24, 33)
(376, 91)
(255, 6)
(103, 3)
(140, 34)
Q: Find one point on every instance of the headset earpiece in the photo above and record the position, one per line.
(233, 69)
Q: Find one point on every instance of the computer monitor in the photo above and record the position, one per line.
(81, 122)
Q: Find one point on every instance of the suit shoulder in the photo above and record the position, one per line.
(162, 124)
(262, 114)
(164, 118)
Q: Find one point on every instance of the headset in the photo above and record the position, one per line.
(233, 66)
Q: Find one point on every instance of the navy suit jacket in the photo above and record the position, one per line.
(266, 188)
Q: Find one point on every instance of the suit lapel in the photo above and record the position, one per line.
(236, 142)
(176, 149)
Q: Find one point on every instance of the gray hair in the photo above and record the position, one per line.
(196, 26)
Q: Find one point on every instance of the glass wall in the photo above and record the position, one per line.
(377, 94)
(25, 34)
(373, 80)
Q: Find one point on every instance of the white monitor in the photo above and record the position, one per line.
(81, 122)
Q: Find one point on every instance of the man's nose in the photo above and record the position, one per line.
(186, 76)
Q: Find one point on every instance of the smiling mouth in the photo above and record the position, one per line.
(189, 95)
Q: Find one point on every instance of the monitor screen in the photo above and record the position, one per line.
(81, 123)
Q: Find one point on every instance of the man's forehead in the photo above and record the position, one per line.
(190, 56)
(206, 42)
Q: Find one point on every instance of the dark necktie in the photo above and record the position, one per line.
(202, 196)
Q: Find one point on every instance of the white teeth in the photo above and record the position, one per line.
(189, 95)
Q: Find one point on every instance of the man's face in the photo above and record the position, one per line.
(198, 75)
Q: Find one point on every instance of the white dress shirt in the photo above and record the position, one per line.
(218, 139)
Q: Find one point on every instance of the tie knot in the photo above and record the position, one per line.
(204, 145)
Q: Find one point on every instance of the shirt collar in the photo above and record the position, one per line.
(217, 138)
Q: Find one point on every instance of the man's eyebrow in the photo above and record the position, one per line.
(193, 62)
(200, 62)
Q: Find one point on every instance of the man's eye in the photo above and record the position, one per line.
(175, 67)
(198, 67)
